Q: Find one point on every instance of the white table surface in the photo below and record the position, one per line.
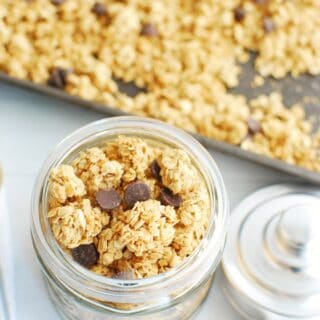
(31, 124)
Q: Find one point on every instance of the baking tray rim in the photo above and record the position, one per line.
(224, 147)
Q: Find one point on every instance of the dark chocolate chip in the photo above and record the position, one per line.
(239, 13)
(99, 9)
(86, 255)
(57, 2)
(167, 198)
(253, 126)
(155, 170)
(136, 191)
(124, 275)
(268, 25)
(108, 199)
(58, 77)
(149, 30)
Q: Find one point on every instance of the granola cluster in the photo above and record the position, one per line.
(282, 132)
(128, 209)
(183, 54)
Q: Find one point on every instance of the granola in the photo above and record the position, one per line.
(283, 132)
(184, 54)
(128, 208)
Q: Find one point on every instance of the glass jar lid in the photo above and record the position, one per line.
(272, 257)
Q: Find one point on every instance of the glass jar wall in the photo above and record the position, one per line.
(79, 293)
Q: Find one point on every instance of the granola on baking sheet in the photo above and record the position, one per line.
(127, 209)
(185, 55)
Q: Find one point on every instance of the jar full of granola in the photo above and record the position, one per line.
(129, 220)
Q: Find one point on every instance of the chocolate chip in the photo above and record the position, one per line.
(149, 30)
(57, 2)
(167, 198)
(239, 13)
(268, 25)
(108, 199)
(155, 170)
(86, 255)
(58, 77)
(253, 126)
(124, 275)
(99, 9)
(136, 191)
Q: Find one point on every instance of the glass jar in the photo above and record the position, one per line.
(174, 295)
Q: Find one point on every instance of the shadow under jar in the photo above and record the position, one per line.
(79, 293)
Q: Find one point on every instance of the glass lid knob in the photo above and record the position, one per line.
(298, 229)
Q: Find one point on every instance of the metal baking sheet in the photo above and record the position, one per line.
(305, 89)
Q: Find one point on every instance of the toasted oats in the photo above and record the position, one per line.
(146, 240)
(184, 54)
(177, 171)
(97, 171)
(285, 134)
(76, 223)
(64, 184)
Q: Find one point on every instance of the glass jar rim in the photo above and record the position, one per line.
(76, 277)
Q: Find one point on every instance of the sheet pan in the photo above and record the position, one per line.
(305, 89)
